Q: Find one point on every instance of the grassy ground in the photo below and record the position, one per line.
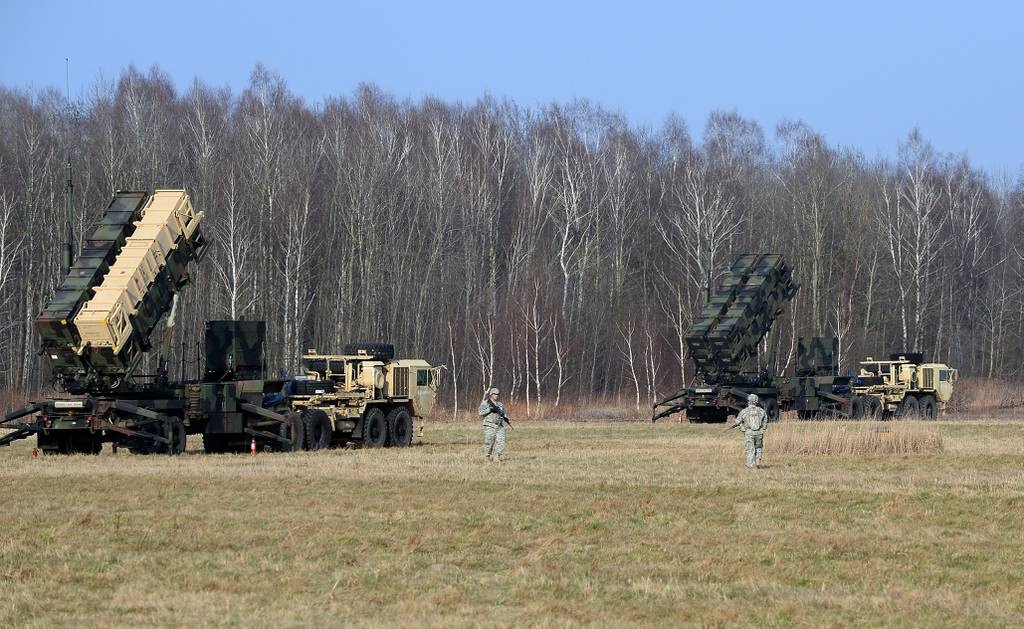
(586, 523)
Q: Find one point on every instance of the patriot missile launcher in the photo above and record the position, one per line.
(723, 339)
(96, 329)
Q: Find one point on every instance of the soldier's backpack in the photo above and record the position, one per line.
(758, 421)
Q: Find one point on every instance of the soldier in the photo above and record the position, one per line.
(752, 421)
(493, 413)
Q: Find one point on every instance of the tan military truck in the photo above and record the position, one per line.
(905, 386)
(362, 396)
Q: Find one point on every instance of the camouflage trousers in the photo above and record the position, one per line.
(494, 440)
(754, 445)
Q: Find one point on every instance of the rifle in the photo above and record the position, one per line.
(736, 425)
(497, 409)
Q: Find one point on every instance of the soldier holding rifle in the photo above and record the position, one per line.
(493, 413)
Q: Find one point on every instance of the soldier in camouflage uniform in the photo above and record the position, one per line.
(491, 410)
(752, 421)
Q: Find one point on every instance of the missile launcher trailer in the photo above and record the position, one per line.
(97, 327)
(725, 336)
(748, 299)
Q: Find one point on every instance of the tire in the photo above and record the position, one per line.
(170, 427)
(319, 429)
(909, 408)
(178, 437)
(927, 408)
(771, 409)
(858, 408)
(399, 428)
(375, 428)
(293, 429)
(872, 408)
(378, 351)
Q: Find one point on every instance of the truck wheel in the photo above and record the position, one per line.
(909, 408)
(927, 406)
(318, 429)
(375, 428)
(179, 439)
(378, 351)
(858, 408)
(399, 428)
(294, 430)
(771, 409)
(168, 427)
(872, 408)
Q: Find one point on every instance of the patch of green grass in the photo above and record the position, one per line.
(585, 523)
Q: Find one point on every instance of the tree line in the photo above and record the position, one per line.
(560, 252)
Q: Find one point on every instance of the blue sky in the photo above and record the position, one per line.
(861, 73)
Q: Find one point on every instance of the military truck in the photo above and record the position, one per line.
(724, 338)
(363, 396)
(903, 386)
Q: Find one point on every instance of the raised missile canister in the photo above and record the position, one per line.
(746, 301)
(55, 323)
(138, 288)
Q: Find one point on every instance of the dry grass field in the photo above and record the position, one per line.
(586, 523)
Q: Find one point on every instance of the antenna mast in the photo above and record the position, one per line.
(69, 187)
